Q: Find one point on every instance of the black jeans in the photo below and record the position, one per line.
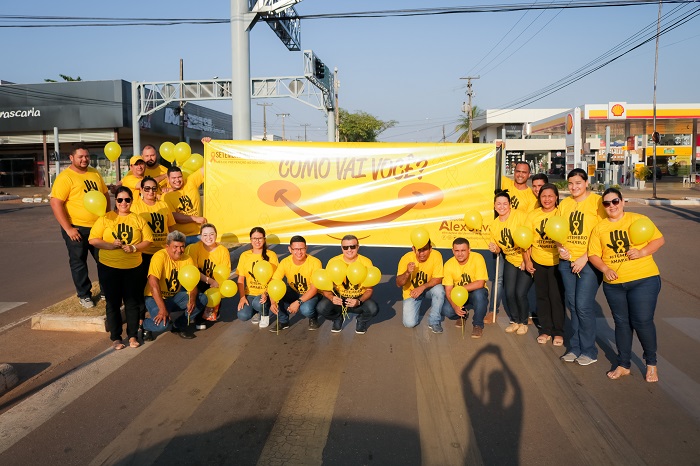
(550, 299)
(77, 259)
(331, 311)
(143, 272)
(517, 283)
(121, 285)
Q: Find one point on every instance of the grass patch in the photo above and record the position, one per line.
(72, 308)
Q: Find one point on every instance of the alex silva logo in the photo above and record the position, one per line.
(20, 113)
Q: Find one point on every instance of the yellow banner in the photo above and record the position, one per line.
(323, 191)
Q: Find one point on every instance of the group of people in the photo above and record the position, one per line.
(568, 274)
(156, 229)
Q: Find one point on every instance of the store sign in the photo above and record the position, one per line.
(617, 110)
(20, 113)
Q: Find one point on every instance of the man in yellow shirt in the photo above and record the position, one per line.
(355, 298)
(469, 271)
(521, 196)
(133, 179)
(154, 169)
(67, 194)
(420, 275)
(184, 202)
(165, 296)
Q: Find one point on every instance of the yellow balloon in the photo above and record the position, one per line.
(229, 240)
(357, 272)
(420, 238)
(338, 271)
(167, 151)
(473, 220)
(276, 289)
(557, 229)
(374, 276)
(262, 270)
(522, 236)
(95, 202)
(641, 230)
(228, 288)
(188, 276)
(322, 280)
(213, 297)
(459, 295)
(182, 152)
(113, 151)
(194, 163)
(221, 273)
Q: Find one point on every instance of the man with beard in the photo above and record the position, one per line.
(154, 169)
(185, 203)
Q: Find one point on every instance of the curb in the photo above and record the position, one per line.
(68, 324)
(8, 378)
(8, 197)
(687, 201)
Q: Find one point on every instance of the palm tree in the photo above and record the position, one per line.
(464, 124)
(64, 77)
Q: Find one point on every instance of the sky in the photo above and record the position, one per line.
(406, 69)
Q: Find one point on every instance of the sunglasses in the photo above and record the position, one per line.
(150, 188)
(123, 199)
(615, 201)
(352, 246)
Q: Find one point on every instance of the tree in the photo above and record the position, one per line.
(64, 77)
(361, 126)
(463, 126)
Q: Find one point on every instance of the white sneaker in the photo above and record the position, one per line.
(86, 302)
(264, 321)
(256, 318)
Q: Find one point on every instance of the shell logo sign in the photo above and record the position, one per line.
(569, 123)
(617, 110)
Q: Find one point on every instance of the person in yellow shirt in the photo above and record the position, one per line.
(185, 202)
(153, 168)
(252, 294)
(468, 270)
(538, 180)
(583, 210)
(133, 179)
(355, 298)
(169, 305)
(419, 275)
(301, 295)
(632, 282)
(67, 194)
(121, 236)
(516, 281)
(522, 197)
(542, 260)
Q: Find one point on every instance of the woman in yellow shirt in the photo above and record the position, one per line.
(516, 281)
(121, 236)
(252, 293)
(542, 260)
(632, 282)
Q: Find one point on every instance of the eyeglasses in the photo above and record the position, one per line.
(150, 188)
(615, 201)
(351, 246)
(298, 249)
(257, 238)
(123, 199)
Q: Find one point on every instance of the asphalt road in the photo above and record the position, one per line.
(238, 394)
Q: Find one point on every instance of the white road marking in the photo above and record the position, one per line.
(7, 306)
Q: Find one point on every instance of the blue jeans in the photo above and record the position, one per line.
(191, 239)
(633, 305)
(580, 291)
(499, 297)
(307, 309)
(176, 304)
(252, 307)
(411, 307)
(478, 300)
(77, 259)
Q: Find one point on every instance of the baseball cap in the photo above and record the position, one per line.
(135, 159)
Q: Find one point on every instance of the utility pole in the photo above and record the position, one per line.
(283, 115)
(655, 135)
(264, 106)
(305, 125)
(336, 85)
(469, 105)
(182, 104)
(443, 133)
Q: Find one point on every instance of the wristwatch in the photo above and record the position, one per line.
(300, 301)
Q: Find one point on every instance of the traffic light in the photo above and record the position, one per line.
(319, 69)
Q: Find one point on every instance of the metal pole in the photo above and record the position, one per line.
(264, 106)
(336, 86)
(135, 127)
(470, 136)
(305, 125)
(283, 115)
(55, 148)
(656, 67)
(240, 81)
(607, 151)
(182, 103)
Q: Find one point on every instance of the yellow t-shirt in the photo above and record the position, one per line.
(165, 270)
(71, 186)
(523, 200)
(159, 218)
(246, 262)
(460, 275)
(130, 181)
(582, 217)
(424, 272)
(206, 260)
(187, 201)
(130, 229)
(502, 235)
(610, 241)
(157, 171)
(347, 289)
(544, 250)
(298, 276)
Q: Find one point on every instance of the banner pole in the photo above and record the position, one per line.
(499, 164)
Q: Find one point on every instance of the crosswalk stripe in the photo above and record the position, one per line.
(6, 306)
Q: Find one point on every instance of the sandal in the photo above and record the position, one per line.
(134, 343)
(618, 372)
(652, 374)
(558, 341)
(544, 338)
(118, 345)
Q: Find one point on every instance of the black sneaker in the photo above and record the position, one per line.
(313, 323)
(147, 335)
(337, 325)
(186, 335)
(361, 327)
(279, 326)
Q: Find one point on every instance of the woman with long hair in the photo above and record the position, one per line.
(208, 254)
(253, 295)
